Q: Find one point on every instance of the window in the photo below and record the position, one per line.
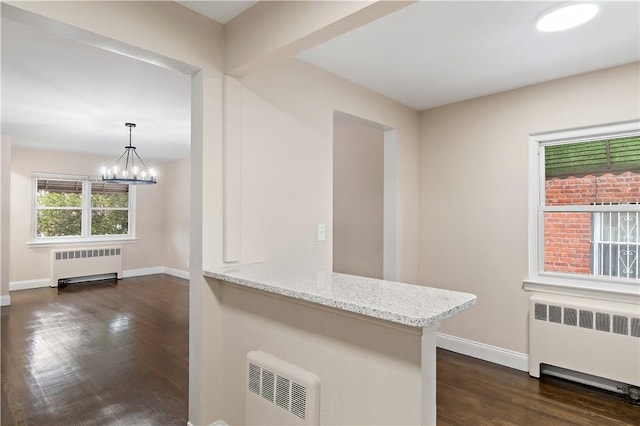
(76, 208)
(585, 208)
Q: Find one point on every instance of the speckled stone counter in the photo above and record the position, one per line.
(379, 371)
(406, 304)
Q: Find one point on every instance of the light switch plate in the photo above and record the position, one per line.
(321, 232)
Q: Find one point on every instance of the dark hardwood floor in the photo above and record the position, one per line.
(475, 392)
(98, 354)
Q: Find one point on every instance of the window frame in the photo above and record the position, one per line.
(612, 288)
(86, 210)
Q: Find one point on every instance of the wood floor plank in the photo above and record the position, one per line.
(117, 354)
(97, 354)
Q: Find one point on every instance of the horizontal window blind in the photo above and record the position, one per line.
(58, 185)
(75, 186)
(109, 188)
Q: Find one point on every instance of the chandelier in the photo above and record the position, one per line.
(129, 167)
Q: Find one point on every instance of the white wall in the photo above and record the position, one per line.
(287, 155)
(32, 262)
(358, 198)
(473, 191)
(5, 249)
(176, 211)
(287, 189)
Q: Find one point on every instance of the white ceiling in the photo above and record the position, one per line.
(220, 11)
(62, 94)
(436, 53)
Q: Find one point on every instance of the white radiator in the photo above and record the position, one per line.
(279, 393)
(588, 336)
(85, 262)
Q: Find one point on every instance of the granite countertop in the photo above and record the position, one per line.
(407, 304)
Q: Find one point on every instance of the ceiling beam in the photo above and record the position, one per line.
(272, 31)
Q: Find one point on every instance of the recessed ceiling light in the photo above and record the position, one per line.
(566, 16)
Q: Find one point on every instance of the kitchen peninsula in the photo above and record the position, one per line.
(372, 343)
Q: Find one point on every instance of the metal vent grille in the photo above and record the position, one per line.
(254, 378)
(298, 400)
(540, 311)
(555, 314)
(586, 319)
(82, 254)
(603, 322)
(570, 316)
(609, 323)
(281, 391)
(635, 327)
(268, 380)
(620, 325)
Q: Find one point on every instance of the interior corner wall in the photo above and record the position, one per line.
(32, 262)
(176, 211)
(287, 156)
(5, 178)
(474, 191)
(358, 198)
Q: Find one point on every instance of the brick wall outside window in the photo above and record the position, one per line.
(567, 236)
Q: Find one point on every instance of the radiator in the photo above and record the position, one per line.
(588, 336)
(84, 263)
(279, 393)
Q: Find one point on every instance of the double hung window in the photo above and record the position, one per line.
(77, 208)
(585, 208)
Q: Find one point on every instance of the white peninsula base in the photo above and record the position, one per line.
(372, 343)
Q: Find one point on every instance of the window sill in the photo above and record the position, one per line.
(81, 242)
(615, 292)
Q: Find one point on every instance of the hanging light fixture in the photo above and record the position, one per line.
(129, 168)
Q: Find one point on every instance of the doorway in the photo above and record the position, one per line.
(364, 187)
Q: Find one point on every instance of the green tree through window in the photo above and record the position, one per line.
(62, 212)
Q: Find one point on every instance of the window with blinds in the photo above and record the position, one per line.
(80, 207)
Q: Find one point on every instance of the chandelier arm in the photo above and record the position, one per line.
(142, 162)
(126, 164)
(120, 158)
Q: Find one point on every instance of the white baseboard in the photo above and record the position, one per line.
(216, 423)
(5, 300)
(176, 273)
(44, 282)
(485, 352)
(143, 271)
(27, 284)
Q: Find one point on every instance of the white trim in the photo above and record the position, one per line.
(28, 284)
(176, 273)
(44, 282)
(216, 423)
(572, 284)
(428, 356)
(612, 293)
(505, 357)
(143, 271)
(389, 217)
(80, 241)
(5, 300)
(85, 208)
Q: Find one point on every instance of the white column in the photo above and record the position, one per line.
(232, 166)
(428, 361)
